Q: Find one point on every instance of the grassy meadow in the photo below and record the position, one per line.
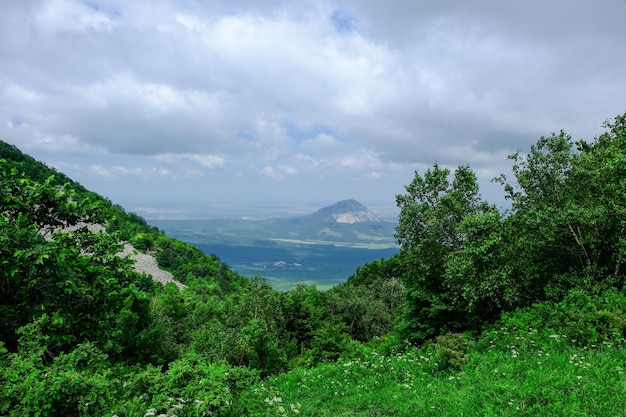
(528, 364)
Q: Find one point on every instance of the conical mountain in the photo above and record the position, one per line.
(346, 211)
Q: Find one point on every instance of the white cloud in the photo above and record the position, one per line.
(229, 92)
(322, 143)
(270, 172)
(68, 15)
(113, 172)
(206, 160)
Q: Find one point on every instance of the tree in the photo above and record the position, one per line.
(429, 231)
(72, 275)
(599, 181)
(541, 217)
(567, 220)
(370, 301)
(479, 275)
(304, 312)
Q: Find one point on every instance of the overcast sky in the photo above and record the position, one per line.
(161, 104)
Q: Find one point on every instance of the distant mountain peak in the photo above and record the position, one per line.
(348, 211)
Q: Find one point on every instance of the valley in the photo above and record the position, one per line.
(322, 248)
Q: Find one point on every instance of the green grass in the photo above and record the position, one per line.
(512, 370)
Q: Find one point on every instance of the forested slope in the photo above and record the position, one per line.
(532, 297)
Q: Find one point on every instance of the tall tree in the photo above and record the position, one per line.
(429, 231)
(568, 215)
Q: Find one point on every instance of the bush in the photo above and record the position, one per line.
(329, 342)
(450, 351)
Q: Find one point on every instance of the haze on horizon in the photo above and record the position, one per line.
(165, 106)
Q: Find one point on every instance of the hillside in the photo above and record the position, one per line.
(527, 364)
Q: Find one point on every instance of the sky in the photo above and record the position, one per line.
(169, 107)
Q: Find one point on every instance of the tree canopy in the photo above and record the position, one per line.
(464, 261)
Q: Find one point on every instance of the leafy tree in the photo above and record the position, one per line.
(429, 232)
(261, 328)
(329, 342)
(189, 264)
(369, 303)
(479, 275)
(542, 214)
(73, 274)
(568, 218)
(598, 179)
(304, 310)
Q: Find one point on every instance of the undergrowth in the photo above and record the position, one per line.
(560, 359)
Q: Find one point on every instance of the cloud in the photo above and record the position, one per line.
(67, 15)
(322, 143)
(303, 91)
(119, 172)
(206, 160)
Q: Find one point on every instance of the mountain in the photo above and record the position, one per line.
(346, 223)
(347, 211)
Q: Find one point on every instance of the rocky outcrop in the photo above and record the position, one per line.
(147, 264)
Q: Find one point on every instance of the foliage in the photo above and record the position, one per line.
(329, 342)
(463, 262)
(478, 275)
(518, 367)
(189, 264)
(72, 275)
(303, 310)
(371, 310)
(83, 383)
(568, 215)
(430, 232)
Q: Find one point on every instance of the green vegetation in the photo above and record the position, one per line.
(480, 313)
(535, 361)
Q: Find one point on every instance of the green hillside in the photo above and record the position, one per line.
(481, 312)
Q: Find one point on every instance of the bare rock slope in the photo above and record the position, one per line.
(146, 264)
